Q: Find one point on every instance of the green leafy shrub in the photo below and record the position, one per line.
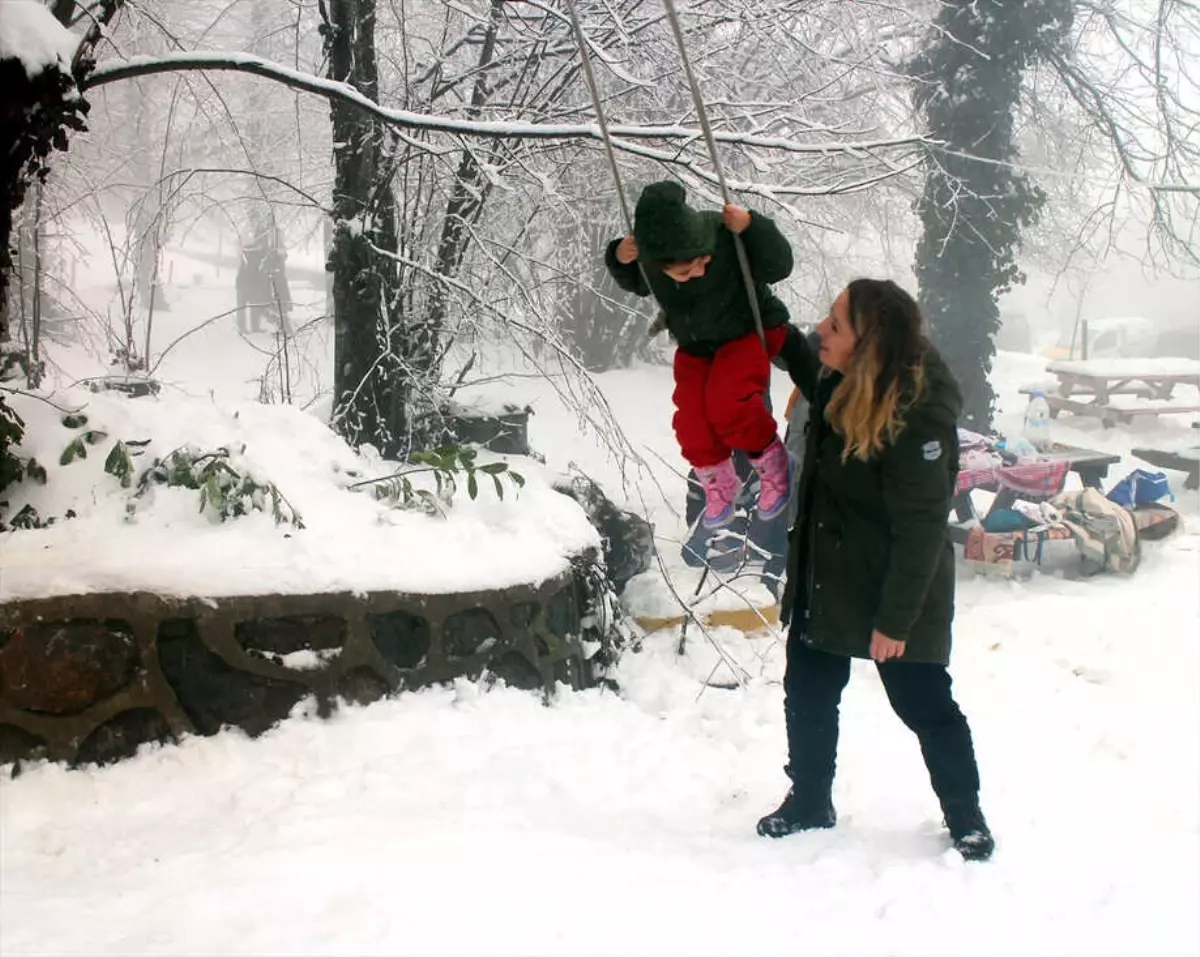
(225, 491)
(447, 464)
(119, 463)
(14, 468)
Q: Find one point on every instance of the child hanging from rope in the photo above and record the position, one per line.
(722, 368)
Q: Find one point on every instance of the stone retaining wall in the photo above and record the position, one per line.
(88, 678)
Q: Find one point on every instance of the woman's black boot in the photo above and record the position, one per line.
(971, 835)
(804, 809)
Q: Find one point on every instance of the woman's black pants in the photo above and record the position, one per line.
(919, 694)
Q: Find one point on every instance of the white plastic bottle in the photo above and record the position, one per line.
(1037, 423)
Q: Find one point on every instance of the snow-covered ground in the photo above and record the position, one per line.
(459, 821)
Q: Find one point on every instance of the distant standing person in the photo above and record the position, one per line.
(262, 287)
(870, 567)
(280, 302)
(722, 368)
(252, 287)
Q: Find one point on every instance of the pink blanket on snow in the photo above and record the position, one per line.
(1030, 480)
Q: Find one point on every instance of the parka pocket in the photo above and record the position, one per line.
(860, 563)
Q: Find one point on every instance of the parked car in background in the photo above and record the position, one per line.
(1130, 337)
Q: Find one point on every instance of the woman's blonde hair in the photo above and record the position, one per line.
(885, 375)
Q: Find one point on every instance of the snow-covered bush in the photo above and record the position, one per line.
(225, 490)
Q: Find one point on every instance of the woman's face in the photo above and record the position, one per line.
(837, 335)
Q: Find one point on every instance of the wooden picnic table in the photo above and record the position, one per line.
(1091, 466)
(1101, 380)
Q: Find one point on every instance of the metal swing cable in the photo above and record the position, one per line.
(586, 59)
(701, 112)
(702, 115)
(739, 673)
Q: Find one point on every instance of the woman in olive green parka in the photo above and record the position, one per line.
(870, 566)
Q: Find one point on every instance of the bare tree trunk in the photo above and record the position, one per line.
(468, 191)
(34, 341)
(370, 384)
(29, 286)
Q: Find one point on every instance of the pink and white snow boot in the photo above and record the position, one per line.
(721, 489)
(774, 468)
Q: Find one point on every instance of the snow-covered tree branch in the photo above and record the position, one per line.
(406, 119)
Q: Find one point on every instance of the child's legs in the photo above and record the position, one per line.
(734, 392)
(701, 446)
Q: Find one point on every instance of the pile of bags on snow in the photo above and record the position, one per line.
(1104, 530)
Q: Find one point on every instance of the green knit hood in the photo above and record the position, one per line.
(667, 229)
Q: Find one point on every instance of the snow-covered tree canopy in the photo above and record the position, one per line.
(489, 146)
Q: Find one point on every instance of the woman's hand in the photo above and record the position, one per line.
(736, 218)
(883, 647)
(627, 250)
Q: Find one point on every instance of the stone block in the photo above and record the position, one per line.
(64, 667)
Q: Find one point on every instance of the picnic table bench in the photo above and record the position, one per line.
(1099, 381)
(1181, 460)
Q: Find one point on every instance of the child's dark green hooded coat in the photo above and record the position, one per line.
(704, 313)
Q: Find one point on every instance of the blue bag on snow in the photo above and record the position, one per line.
(1141, 487)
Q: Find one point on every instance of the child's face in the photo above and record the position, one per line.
(689, 269)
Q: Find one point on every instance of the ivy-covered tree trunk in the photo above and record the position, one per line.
(36, 114)
(976, 203)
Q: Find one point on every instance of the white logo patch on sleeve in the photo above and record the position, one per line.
(932, 450)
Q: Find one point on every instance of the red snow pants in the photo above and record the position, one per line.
(719, 401)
